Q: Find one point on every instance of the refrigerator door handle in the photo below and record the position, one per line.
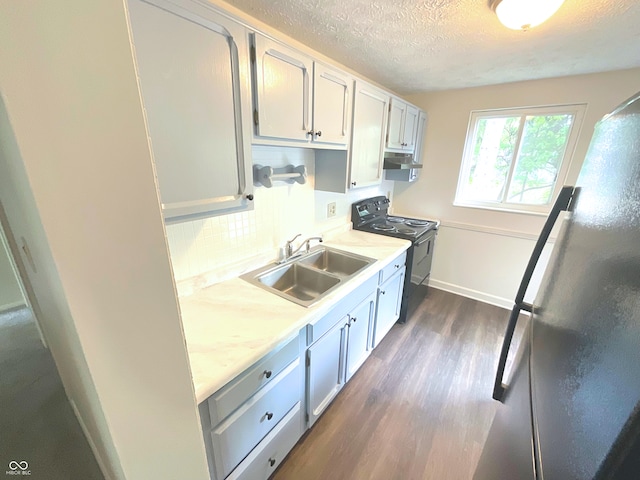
(562, 203)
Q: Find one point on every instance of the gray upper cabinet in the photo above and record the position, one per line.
(193, 73)
(298, 100)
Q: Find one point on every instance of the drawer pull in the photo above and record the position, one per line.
(267, 373)
(397, 266)
(382, 292)
(354, 319)
(272, 462)
(269, 415)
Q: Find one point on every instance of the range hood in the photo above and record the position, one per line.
(400, 167)
(399, 161)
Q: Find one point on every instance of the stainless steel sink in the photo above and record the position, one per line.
(298, 281)
(336, 262)
(309, 278)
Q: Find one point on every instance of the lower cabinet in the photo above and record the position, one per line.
(388, 306)
(325, 369)
(250, 424)
(359, 347)
(336, 356)
(270, 452)
(234, 438)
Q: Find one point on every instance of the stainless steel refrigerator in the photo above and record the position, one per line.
(571, 408)
(40, 437)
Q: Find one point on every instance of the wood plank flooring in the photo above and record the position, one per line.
(419, 408)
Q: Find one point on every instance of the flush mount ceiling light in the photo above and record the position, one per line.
(524, 14)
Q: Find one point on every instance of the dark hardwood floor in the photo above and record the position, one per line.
(420, 407)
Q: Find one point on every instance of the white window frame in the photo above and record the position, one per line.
(578, 110)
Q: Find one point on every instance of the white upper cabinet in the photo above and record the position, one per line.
(282, 88)
(331, 105)
(370, 109)
(297, 100)
(420, 134)
(192, 66)
(403, 124)
(410, 127)
(397, 112)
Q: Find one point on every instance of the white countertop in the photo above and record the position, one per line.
(231, 325)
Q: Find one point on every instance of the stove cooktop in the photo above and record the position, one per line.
(371, 215)
(393, 226)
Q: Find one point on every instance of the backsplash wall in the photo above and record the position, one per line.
(209, 250)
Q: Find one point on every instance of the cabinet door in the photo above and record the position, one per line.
(395, 134)
(282, 79)
(410, 128)
(325, 369)
(194, 88)
(388, 308)
(331, 100)
(359, 342)
(420, 134)
(370, 110)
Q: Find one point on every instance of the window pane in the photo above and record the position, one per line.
(493, 151)
(542, 147)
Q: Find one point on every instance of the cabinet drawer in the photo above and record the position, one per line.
(225, 401)
(344, 306)
(387, 272)
(234, 438)
(270, 452)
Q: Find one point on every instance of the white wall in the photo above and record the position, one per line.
(77, 183)
(10, 293)
(483, 253)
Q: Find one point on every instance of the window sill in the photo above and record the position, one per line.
(501, 209)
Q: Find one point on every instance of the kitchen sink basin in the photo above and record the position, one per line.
(336, 262)
(298, 281)
(309, 278)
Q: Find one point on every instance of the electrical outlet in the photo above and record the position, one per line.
(331, 209)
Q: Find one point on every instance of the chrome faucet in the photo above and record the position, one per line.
(290, 252)
(288, 248)
(306, 243)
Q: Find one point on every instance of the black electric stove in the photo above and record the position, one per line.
(372, 215)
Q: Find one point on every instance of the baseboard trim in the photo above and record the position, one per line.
(473, 294)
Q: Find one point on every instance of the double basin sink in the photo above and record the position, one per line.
(310, 277)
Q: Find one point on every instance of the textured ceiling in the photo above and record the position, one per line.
(413, 46)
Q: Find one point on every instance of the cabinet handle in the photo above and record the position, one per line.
(319, 133)
(249, 197)
(272, 462)
(382, 292)
(354, 319)
(397, 266)
(310, 132)
(267, 373)
(353, 183)
(269, 415)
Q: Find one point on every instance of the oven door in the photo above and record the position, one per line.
(422, 257)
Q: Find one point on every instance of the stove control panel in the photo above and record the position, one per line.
(369, 209)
